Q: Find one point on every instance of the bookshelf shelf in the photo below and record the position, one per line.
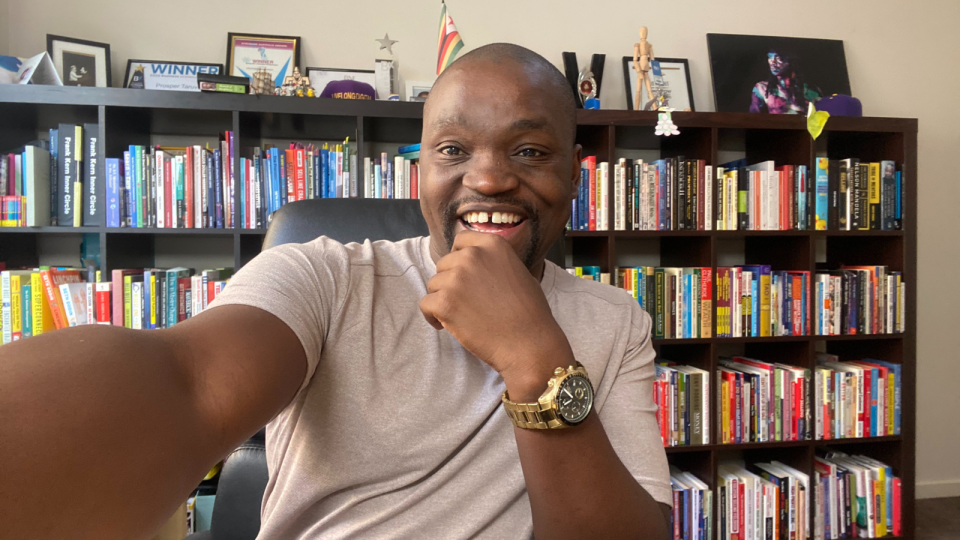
(155, 117)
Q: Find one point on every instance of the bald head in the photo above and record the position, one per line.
(542, 77)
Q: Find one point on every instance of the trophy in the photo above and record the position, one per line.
(595, 72)
(587, 87)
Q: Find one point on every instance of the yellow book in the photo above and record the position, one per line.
(42, 316)
(881, 511)
(725, 410)
(891, 390)
(127, 315)
(873, 196)
(16, 308)
(764, 304)
(153, 299)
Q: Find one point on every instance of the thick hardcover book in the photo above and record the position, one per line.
(66, 174)
(888, 198)
(92, 214)
(858, 215)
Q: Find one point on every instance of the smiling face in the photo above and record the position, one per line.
(497, 156)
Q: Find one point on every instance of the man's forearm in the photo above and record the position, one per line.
(98, 417)
(577, 485)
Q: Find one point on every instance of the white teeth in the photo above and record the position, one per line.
(495, 217)
(472, 217)
(482, 217)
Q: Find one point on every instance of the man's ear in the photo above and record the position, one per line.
(577, 156)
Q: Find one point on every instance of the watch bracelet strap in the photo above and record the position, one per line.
(530, 416)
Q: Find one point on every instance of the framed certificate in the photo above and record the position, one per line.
(251, 53)
(159, 75)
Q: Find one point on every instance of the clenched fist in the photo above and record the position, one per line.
(488, 300)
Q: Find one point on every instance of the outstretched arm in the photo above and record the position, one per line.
(106, 430)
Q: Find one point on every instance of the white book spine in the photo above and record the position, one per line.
(604, 197)
(136, 296)
(618, 201)
(708, 198)
(367, 179)
(91, 302)
(67, 304)
(7, 317)
(161, 192)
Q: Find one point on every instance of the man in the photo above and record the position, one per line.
(783, 91)
(381, 367)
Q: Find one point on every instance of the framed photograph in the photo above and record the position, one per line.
(775, 75)
(250, 53)
(673, 81)
(80, 62)
(343, 83)
(418, 90)
(159, 75)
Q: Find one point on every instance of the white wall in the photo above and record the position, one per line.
(4, 25)
(898, 56)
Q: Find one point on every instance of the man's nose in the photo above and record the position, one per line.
(491, 174)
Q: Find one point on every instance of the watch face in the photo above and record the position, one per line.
(575, 399)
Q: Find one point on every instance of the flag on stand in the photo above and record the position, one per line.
(449, 43)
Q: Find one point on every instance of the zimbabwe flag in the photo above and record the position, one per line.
(449, 43)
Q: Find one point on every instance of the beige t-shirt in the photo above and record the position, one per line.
(397, 431)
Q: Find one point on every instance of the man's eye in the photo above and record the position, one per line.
(530, 152)
(451, 151)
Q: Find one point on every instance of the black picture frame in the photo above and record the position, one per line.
(629, 76)
(232, 36)
(51, 38)
(132, 61)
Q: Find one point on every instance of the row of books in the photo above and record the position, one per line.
(679, 300)
(590, 272)
(682, 395)
(754, 300)
(54, 181)
(763, 197)
(692, 516)
(393, 178)
(852, 496)
(857, 398)
(856, 497)
(762, 501)
(39, 300)
(860, 300)
(760, 401)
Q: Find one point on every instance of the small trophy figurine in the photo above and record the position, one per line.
(642, 56)
(587, 86)
(296, 85)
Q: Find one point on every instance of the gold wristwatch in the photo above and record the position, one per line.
(566, 403)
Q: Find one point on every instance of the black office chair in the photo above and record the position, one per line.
(243, 479)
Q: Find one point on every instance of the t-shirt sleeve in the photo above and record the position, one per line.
(629, 414)
(303, 285)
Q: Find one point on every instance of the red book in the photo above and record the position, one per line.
(103, 302)
(592, 173)
(116, 279)
(182, 285)
(414, 180)
(301, 179)
(797, 303)
(211, 292)
(291, 176)
(706, 301)
(897, 520)
(188, 185)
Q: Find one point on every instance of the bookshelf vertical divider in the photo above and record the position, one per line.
(136, 117)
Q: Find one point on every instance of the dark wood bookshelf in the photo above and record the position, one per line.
(139, 117)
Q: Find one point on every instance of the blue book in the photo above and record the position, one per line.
(898, 213)
(574, 205)
(409, 148)
(583, 199)
(317, 194)
(802, 213)
(26, 295)
(324, 179)
(274, 180)
(282, 156)
(389, 179)
(173, 275)
(822, 193)
(897, 371)
(218, 189)
(54, 185)
(377, 181)
(113, 192)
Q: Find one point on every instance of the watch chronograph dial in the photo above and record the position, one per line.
(575, 399)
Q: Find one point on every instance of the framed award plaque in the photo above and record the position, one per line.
(248, 54)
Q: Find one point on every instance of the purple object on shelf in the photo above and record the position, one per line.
(840, 105)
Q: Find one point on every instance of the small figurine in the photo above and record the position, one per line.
(295, 85)
(642, 56)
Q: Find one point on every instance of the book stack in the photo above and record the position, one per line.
(673, 194)
(44, 299)
(590, 272)
(692, 517)
(856, 497)
(272, 177)
(682, 395)
(763, 197)
(856, 399)
(762, 501)
(396, 178)
(172, 187)
(759, 401)
(859, 300)
(754, 301)
(679, 300)
(590, 209)
(52, 182)
(855, 196)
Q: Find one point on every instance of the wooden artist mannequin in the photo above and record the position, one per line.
(642, 56)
